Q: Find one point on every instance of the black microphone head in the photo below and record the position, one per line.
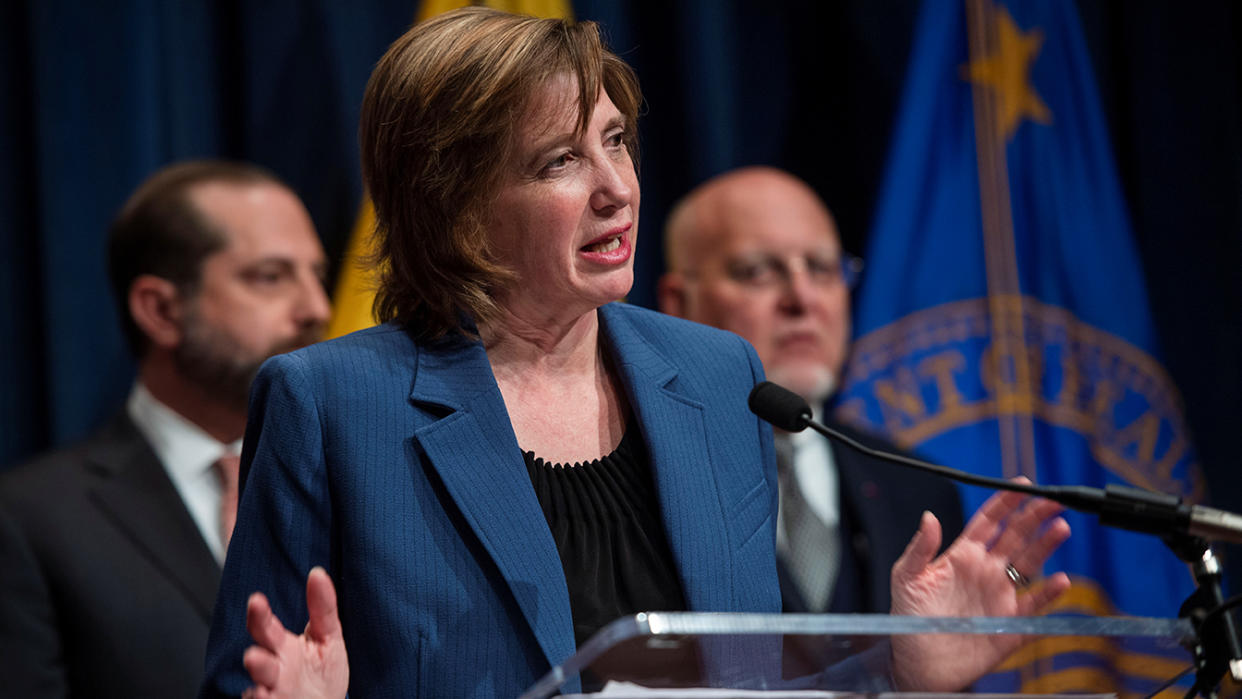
(779, 406)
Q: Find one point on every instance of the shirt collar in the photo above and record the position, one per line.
(184, 448)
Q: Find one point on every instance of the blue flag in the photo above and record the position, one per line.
(1004, 327)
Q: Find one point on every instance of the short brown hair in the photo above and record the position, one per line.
(437, 131)
(160, 231)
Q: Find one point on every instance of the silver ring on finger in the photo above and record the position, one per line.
(1016, 577)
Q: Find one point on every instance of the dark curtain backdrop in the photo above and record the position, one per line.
(96, 98)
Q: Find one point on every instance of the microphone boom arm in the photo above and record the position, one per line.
(1185, 528)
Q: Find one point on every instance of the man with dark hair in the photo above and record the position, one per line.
(756, 252)
(110, 551)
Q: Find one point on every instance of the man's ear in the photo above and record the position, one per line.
(671, 292)
(157, 309)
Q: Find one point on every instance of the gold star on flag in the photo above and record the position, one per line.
(1006, 72)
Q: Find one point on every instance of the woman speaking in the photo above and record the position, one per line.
(514, 459)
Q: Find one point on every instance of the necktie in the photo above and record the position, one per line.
(227, 468)
(810, 545)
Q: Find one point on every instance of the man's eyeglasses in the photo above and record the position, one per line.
(769, 270)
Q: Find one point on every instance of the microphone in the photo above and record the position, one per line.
(780, 406)
(1116, 505)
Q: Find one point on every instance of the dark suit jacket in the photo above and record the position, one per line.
(106, 584)
(394, 464)
(881, 504)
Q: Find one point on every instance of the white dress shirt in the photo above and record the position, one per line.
(816, 472)
(187, 454)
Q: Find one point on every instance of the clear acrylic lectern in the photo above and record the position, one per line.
(690, 654)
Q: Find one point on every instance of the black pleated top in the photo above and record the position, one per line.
(605, 519)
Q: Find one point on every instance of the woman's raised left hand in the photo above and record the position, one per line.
(970, 579)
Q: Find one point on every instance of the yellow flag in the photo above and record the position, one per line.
(355, 286)
(536, 8)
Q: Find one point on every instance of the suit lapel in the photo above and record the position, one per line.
(676, 437)
(473, 449)
(860, 494)
(135, 493)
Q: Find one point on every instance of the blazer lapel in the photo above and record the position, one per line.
(136, 494)
(475, 452)
(676, 437)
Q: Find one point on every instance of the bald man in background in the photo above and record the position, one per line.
(756, 252)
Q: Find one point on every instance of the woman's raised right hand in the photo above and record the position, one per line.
(312, 665)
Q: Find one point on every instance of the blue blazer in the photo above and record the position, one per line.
(393, 464)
